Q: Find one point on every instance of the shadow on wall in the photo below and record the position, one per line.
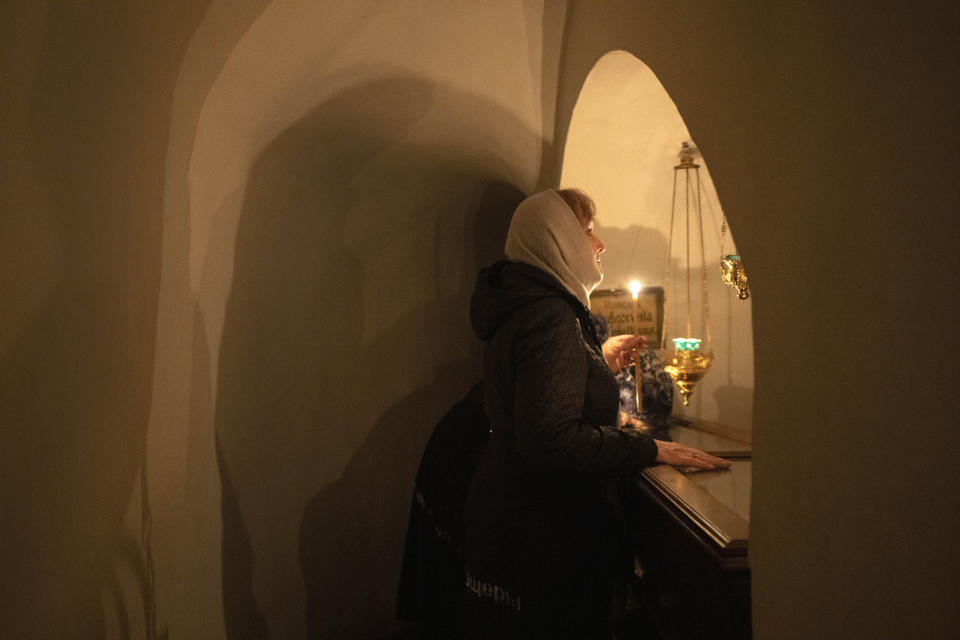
(734, 404)
(296, 378)
(356, 562)
(734, 401)
(634, 252)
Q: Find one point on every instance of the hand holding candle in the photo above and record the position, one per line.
(621, 351)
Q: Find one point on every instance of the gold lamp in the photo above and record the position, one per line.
(688, 358)
(733, 275)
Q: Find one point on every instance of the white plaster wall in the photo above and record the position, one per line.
(184, 484)
(299, 54)
(85, 116)
(416, 118)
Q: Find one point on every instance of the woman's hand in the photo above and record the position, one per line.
(680, 455)
(621, 351)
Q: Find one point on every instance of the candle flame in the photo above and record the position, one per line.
(635, 288)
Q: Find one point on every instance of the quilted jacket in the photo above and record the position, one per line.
(539, 526)
(549, 388)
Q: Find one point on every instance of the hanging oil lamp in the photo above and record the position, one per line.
(731, 267)
(687, 359)
(733, 275)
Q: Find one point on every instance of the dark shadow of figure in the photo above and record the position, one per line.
(382, 471)
(290, 346)
(243, 617)
(296, 365)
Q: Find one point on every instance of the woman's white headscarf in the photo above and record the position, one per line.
(545, 233)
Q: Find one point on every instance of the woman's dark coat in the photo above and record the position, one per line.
(540, 535)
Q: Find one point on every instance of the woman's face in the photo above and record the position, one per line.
(596, 246)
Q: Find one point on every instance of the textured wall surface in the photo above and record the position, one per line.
(85, 122)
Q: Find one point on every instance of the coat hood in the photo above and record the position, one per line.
(505, 287)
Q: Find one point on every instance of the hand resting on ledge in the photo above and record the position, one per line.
(680, 455)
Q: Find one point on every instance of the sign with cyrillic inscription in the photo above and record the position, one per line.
(626, 315)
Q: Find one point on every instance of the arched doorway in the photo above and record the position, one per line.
(623, 140)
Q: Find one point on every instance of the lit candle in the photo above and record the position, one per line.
(635, 288)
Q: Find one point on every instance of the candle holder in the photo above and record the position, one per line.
(686, 364)
(690, 358)
(733, 275)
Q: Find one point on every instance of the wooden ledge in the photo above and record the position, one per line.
(740, 435)
(725, 531)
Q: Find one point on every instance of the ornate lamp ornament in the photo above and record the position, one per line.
(731, 267)
(687, 359)
(732, 273)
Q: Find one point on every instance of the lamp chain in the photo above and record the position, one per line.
(703, 262)
(723, 235)
(689, 328)
(666, 278)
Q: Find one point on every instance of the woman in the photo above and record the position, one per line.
(541, 540)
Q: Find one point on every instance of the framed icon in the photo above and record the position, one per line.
(626, 315)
